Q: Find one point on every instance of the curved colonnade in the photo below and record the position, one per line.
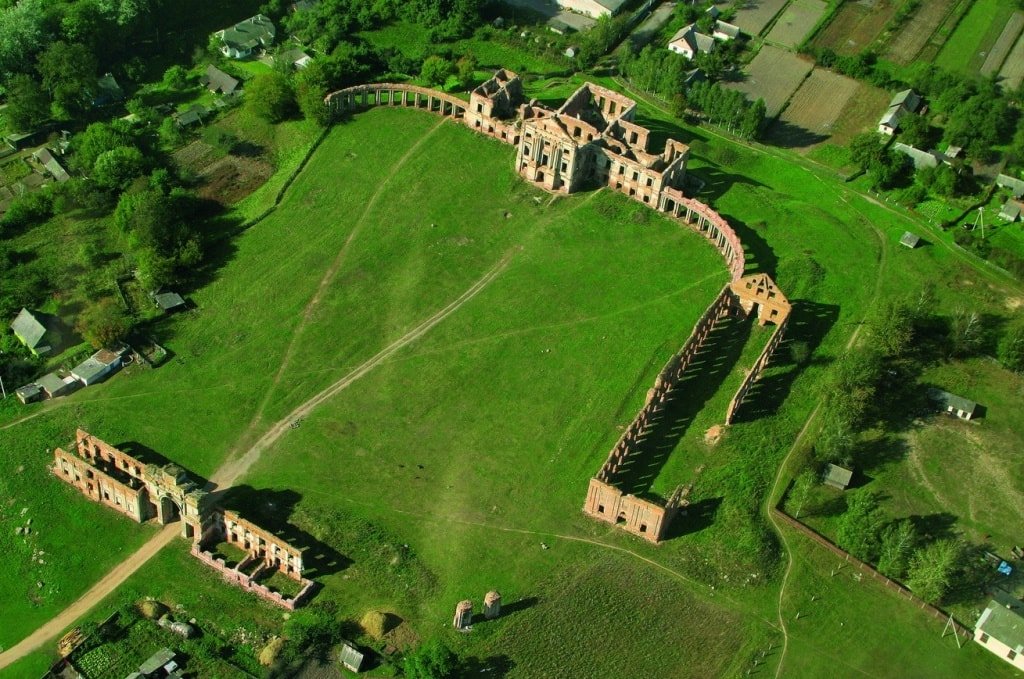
(606, 501)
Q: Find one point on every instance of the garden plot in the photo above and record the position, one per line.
(814, 111)
(774, 75)
(796, 22)
(1012, 73)
(917, 31)
(975, 37)
(753, 15)
(997, 55)
(856, 25)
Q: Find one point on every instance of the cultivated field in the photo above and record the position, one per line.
(814, 111)
(997, 55)
(856, 25)
(754, 15)
(917, 31)
(1012, 72)
(969, 46)
(459, 463)
(796, 22)
(773, 75)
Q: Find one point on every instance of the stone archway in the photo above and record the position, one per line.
(168, 510)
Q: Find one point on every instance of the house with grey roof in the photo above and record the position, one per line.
(724, 32)
(351, 657)
(905, 102)
(54, 386)
(954, 405)
(593, 8)
(295, 58)
(193, 115)
(97, 367)
(908, 99)
(245, 37)
(919, 157)
(1000, 629)
(107, 91)
(837, 477)
(689, 42)
(1013, 183)
(910, 240)
(168, 301)
(29, 393)
(1010, 211)
(217, 80)
(46, 158)
(40, 332)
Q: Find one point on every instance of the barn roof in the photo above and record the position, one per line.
(948, 400)
(1003, 624)
(837, 476)
(910, 239)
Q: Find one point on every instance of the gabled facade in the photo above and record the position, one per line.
(689, 42)
(246, 37)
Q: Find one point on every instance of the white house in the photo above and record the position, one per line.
(245, 37)
(689, 42)
(95, 368)
(1001, 631)
(907, 101)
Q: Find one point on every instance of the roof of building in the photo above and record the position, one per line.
(1010, 211)
(837, 475)
(295, 57)
(948, 400)
(350, 656)
(52, 165)
(194, 114)
(156, 661)
(29, 328)
(52, 383)
(1012, 183)
(29, 391)
(168, 300)
(612, 6)
(727, 29)
(999, 622)
(250, 34)
(697, 41)
(921, 158)
(910, 239)
(107, 91)
(908, 99)
(892, 116)
(95, 366)
(217, 80)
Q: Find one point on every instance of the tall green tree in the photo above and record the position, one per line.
(22, 26)
(27, 103)
(436, 70)
(1011, 346)
(69, 75)
(801, 492)
(432, 660)
(270, 97)
(899, 540)
(116, 168)
(934, 567)
(859, 526)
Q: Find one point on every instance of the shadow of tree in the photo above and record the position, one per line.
(790, 136)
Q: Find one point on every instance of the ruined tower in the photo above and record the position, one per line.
(463, 615)
(492, 605)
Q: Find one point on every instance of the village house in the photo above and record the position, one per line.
(1010, 211)
(954, 405)
(46, 158)
(1001, 631)
(837, 477)
(168, 301)
(593, 8)
(246, 37)
(689, 42)
(107, 92)
(217, 81)
(904, 103)
(1014, 184)
(40, 332)
(295, 58)
(97, 367)
(54, 386)
(910, 240)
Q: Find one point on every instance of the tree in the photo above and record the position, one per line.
(21, 34)
(865, 149)
(892, 328)
(435, 70)
(915, 131)
(69, 75)
(175, 78)
(432, 660)
(116, 168)
(104, 323)
(801, 492)
(859, 525)
(465, 70)
(310, 89)
(1011, 347)
(270, 97)
(897, 545)
(28, 105)
(89, 145)
(933, 569)
(965, 333)
(753, 119)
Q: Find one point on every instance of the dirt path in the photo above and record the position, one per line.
(102, 589)
(328, 277)
(230, 471)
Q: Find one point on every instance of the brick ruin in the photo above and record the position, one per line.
(590, 142)
(165, 493)
(646, 518)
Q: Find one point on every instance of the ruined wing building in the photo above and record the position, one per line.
(165, 493)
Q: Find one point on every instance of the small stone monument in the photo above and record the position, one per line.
(463, 615)
(492, 605)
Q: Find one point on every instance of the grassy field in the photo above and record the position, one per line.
(439, 474)
(968, 46)
(754, 15)
(796, 22)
